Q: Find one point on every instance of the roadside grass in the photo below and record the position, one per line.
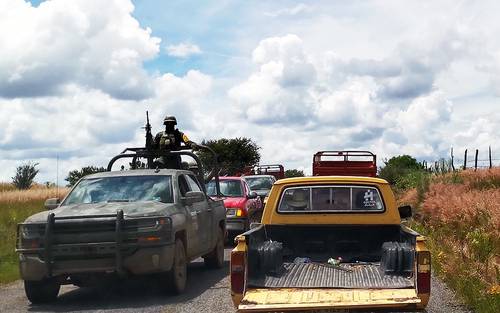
(15, 207)
(459, 213)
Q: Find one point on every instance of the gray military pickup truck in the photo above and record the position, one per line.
(121, 222)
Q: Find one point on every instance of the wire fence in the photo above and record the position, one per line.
(470, 160)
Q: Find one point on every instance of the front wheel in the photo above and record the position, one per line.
(177, 276)
(216, 258)
(43, 291)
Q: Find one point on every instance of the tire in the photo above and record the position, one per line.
(43, 291)
(215, 259)
(177, 276)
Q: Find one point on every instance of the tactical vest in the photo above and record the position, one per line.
(167, 141)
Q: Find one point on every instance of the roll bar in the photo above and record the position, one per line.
(150, 155)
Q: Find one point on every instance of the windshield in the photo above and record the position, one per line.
(122, 189)
(228, 188)
(260, 183)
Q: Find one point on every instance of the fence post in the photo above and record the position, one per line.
(489, 152)
(452, 165)
(475, 160)
(465, 159)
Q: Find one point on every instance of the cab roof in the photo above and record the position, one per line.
(330, 179)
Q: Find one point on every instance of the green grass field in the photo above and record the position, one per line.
(15, 207)
(12, 213)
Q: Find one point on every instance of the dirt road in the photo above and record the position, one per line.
(208, 291)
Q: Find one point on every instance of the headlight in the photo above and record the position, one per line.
(231, 211)
(31, 231)
(148, 224)
(30, 235)
(154, 230)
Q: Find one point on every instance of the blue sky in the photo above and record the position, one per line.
(76, 77)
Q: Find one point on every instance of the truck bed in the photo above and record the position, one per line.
(312, 275)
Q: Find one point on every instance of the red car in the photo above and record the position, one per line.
(240, 202)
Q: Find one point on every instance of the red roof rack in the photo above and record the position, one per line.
(345, 163)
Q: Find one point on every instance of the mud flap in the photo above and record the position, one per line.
(286, 299)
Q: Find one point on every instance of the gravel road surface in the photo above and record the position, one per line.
(207, 291)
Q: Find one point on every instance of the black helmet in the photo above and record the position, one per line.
(169, 119)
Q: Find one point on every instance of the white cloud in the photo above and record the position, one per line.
(393, 78)
(59, 43)
(88, 127)
(300, 8)
(183, 50)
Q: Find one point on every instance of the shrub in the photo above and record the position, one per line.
(294, 173)
(75, 175)
(25, 174)
(399, 166)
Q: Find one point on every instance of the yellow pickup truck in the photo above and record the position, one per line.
(330, 243)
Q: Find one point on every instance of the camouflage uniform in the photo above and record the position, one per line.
(170, 139)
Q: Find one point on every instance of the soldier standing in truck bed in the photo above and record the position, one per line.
(171, 140)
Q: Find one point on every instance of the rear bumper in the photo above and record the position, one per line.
(237, 224)
(290, 299)
(143, 261)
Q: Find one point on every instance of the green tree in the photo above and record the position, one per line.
(294, 173)
(234, 154)
(25, 174)
(75, 175)
(399, 166)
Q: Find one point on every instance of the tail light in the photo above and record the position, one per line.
(238, 272)
(423, 272)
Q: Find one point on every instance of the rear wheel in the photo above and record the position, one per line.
(42, 291)
(178, 274)
(216, 258)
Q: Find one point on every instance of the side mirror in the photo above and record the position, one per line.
(193, 197)
(252, 195)
(405, 211)
(52, 203)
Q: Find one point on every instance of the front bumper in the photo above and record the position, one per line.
(143, 261)
(237, 224)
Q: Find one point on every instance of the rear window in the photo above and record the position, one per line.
(331, 199)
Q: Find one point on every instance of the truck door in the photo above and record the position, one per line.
(192, 224)
(205, 217)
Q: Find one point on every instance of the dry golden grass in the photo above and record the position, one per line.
(409, 197)
(461, 214)
(32, 194)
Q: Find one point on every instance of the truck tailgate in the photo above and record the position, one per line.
(291, 299)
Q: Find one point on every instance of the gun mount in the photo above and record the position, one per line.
(149, 153)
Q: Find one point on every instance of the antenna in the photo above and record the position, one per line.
(57, 175)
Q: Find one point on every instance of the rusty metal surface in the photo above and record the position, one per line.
(289, 299)
(309, 275)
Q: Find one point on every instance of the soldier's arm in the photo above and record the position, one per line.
(188, 142)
